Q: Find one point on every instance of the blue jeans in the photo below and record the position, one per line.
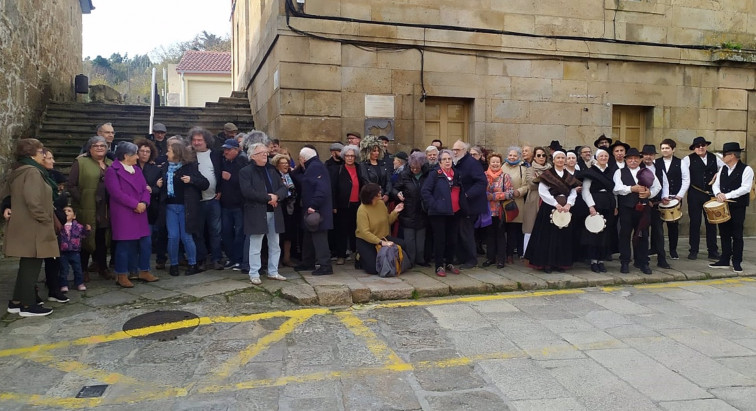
(274, 249)
(210, 219)
(232, 231)
(133, 255)
(72, 258)
(175, 222)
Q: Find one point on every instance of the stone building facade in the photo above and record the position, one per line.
(39, 59)
(498, 73)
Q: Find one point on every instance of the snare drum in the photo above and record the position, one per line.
(561, 219)
(716, 212)
(670, 212)
(595, 223)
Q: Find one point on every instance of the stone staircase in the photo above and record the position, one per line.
(65, 127)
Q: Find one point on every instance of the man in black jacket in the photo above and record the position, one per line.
(210, 166)
(231, 202)
(702, 167)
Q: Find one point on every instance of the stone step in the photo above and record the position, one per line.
(239, 94)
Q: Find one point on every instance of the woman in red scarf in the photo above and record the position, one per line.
(499, 189)
(441, 194)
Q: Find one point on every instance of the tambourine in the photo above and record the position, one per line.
(595, 223)
(561, 219)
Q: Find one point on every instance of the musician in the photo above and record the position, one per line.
(657, 229)
(552, 246)
(702, 166)
(603, 142)
(597, 192)
(678, 178)
(634, 215)
(586, 158)
(734, 186)
(619, 152)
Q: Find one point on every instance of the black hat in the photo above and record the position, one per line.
(601, 137)
(619, 143)
(555, 145)
(632, 152)
(384, 138)
(731, 147)
(648, 149)
(402, 155)
(698, 140)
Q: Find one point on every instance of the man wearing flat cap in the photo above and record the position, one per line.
(702, 166)
(161, 143)
(734, 186)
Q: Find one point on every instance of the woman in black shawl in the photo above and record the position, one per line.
(551, 246)
(597, 194)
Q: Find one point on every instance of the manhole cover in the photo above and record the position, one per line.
(158, 318)
(91, 391)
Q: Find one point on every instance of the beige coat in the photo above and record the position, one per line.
(517, 174)
(30, 232)
(533, 201)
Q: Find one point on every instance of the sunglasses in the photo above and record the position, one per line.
(699, 145)
(540, 155)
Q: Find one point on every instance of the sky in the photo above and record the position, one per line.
(139, 26)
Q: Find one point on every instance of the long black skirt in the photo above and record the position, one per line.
(549, 246)
(598, 245)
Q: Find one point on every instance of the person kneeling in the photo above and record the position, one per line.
(373, 222)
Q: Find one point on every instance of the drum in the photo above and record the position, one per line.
(716, 212)
(672, 211)
(561, 219)
(595, 223)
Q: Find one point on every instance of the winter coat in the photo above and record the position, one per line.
(473, 180)
(255, 193)
(341, 183)
(126, 191)
(192, 194)
(413, 216)
(517, 174)
(72, 242)
(436, 193)
(30, 232)
(151, 173)
(533, 202)
(316, 192)
(89, 198)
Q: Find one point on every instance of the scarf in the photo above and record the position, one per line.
(172, 167)
(493, 175)
(559, 185)
(28, 161)
(538, 170)
(512, 163)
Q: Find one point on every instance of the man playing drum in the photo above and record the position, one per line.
(702, 166)
(657, 229)
(734, 186)
(678, 178)
(630, 198)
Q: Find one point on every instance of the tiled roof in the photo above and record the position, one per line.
(205, 61)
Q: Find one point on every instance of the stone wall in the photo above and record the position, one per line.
(39, 58)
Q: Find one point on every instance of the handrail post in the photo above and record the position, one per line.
(152, 99)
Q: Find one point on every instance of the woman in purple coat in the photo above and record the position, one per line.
(129, 198)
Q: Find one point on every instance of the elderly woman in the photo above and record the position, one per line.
(372, 168)
(532, 203)
(89, 201)
(30, 224)
(499, 189)
(553, 245)
(514, 167)
(373, 221)
(129, 198)
(181, 186)
(346, 185)
(289, 207)
(598, 186)
(441, 194)
(413, 221)
(579, 210)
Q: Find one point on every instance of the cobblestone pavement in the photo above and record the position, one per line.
(678, 345)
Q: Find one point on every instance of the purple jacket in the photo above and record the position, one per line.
(72, 241)
(126, 191)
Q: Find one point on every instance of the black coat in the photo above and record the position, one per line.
(413, 215)
(231, 189)
(436, 193)
(192, 194)
(341, 183)
(474, 184)
(316, 192)
(255, 193)
(151, 174)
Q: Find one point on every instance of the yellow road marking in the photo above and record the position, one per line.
(376, 346)
(679, 284)
(470, 299)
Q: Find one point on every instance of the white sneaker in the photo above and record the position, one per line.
(255, 280)
(277, 276)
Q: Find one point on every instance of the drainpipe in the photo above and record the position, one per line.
(152, 99)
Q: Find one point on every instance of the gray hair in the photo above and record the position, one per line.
(255, 136)
(99, 128)
(431, 148)
(417, 159)
(478, 149)
(445, 151)
(307, 153)
(125, 149)
(350, 147)
(518, 150)
(465, 146)
(253, 147)
(92, 141)
(199, 131)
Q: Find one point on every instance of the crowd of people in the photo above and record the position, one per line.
(240, 201)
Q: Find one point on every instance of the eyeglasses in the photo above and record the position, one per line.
(348, 155)
(456, 149)
(702, 145)
(260, 152)
(540, 155)
(99, 146)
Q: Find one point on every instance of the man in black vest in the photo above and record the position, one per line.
(657, 229)
(734, 186)
(678, 178)
(631, 212)
(702, 166)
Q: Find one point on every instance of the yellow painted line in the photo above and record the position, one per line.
(247, 354)
(81, 369)
(470, 299)
(378, 347)
(678, 284)
(56, 402)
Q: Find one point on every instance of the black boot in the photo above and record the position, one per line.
(174, 271)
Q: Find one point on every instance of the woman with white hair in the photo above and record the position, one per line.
(413, 221)
(598, 186)
(346, 187)
(513, 167)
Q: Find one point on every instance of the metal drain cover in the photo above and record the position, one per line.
(158, 318)
(91, 391)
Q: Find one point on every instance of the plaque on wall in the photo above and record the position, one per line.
(379, 106)
(380, 127)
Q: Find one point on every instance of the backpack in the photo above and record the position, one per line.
(388, 261)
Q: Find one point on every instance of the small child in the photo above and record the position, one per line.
(70, 246)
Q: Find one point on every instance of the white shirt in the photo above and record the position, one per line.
(745, 183)
(684, 170)
(664, 182)
(622, 190)
(543, 191)
(208, 171)
(686, 163)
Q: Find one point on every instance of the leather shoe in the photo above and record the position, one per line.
(673, 255)
(488, 263)
(663, 264)
(500, 265)
(595, 267)
(602, 267)
(323, 270)
(624, 269)
(646, 270)
(692, 256)
(174, 270)
(714, 256)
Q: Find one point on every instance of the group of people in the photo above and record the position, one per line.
(244, 203)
